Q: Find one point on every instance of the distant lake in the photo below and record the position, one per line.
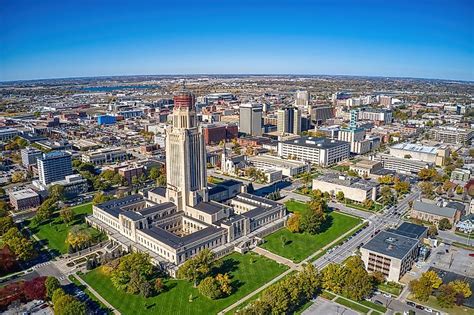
(119, 87)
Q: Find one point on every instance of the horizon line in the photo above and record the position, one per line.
(233, 74)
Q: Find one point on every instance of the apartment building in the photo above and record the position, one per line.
(319, 151)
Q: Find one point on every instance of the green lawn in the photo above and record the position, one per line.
(249, 272)
(328, 295)
(392, 288)
(352, 305)
(301, 245)
(53, 232)
(374, 306)
(375, 208)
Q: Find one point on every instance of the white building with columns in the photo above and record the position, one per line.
(173, 224)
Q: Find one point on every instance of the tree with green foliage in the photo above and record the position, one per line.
(402, 187)
(68, 305)
(423, 287)
(67, 215)
(462, 290)
(4, 208)
(18, 243)
(224, 283)
(446, 296)
(59, 292)
(432, 231)
(146, 289)
(340, 196)
(427, 174)
(459, 190)
(57, 193)
(293, 223)
(444, 224)
(137, 265)
(159, 285)
(209, 287)
(51, 284)
(311, 221)
(198, 267)
(332, 278)
(306, 178)
(386, 195)
(386, 179)
(100, 197)
(46, 210)
(358, 284)
(6, 223)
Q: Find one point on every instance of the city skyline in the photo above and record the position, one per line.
(59, 40)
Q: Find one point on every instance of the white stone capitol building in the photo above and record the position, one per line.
(174, 223)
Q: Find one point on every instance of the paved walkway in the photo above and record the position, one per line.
(277, 258)
(97, 295)
(287, 262)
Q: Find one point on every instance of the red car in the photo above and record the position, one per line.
(471, 254)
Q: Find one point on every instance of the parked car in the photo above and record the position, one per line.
(411, 304)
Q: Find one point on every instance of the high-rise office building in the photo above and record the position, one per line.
(289, 120)
(29, 156)
(321, 113)
(185, 155)
(302, 98)
(250, 121)
(54, 166)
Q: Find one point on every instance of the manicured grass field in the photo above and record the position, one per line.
(249, 272)
(392, 288)
(53, 232)
(301, 245)
(374, 306)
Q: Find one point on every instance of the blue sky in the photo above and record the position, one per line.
(417, 38)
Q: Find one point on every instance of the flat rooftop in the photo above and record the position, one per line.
(315, 143)
(391, 244)
(276, 161)
(23, 194)
(415, 148)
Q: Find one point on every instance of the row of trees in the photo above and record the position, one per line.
(447, 294)
(286, 296)
(350, 279)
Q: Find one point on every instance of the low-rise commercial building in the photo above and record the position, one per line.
(355, 189)
(453, 135)
(434, 213)
(401, 165)
(288, 168)
(104, 156)
(393, 252)
(8, 133)
(319, 151)
(411, 151)
(24, 199)
(365, 168)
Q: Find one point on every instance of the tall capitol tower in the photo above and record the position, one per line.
(185, 155)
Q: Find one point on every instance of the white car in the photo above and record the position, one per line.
(429, 310)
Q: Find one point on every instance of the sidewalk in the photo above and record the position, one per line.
(97, 295)
(277, 258)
